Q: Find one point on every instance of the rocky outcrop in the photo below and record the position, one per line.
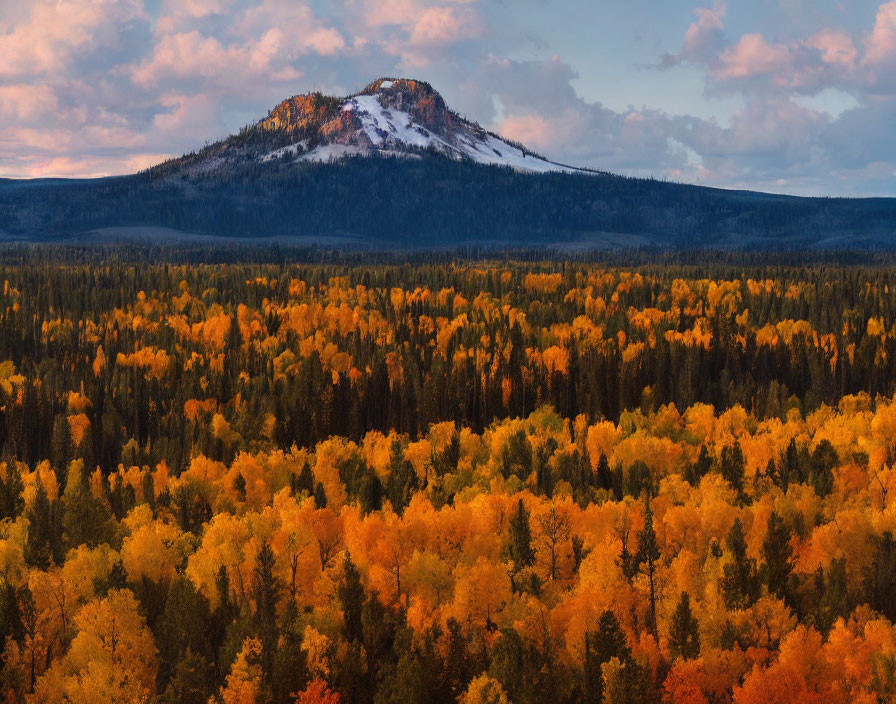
(318, 116)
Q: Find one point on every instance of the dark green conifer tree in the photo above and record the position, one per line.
(684, 633)
(740, 583)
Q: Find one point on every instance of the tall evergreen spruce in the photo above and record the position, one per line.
(519, 545)
(684, 633)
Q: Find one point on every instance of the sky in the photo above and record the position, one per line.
(794, 96)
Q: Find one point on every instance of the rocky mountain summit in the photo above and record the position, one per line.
(390, 117)
(396, 116)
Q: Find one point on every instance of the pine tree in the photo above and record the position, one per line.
(351, 596)
(10, 618)
(44, 544)
(880, 578)
(222, 617)
(87, 520)
(234, 339)
(304, 481)
(579, 552)
(11, 487)
(370, 492)
(266, 590)
(61, 448)
(519, 546)
(824, 459)
(458, 667)
(402, 480)
(290, 662)
(684, 634)
(116, 579)
(516, 457)
(607, 642)
(192, 681)
(789, 467)
(777, 554)
(697, 470)
(830, 598)
(740, 583)
(182, 627)
(603, 474)
(731, 466)
(148, 490)
(649, 552)
(239, 486)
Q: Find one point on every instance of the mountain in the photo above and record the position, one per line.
(395, 117)
(394, 166)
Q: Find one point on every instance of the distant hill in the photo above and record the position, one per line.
(394, 166)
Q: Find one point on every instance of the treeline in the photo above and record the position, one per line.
(432, 199)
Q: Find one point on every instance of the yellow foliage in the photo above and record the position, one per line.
(111, 659)
(316, 647)
(484, 690)
(243, 684)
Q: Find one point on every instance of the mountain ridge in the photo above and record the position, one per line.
(394, 166)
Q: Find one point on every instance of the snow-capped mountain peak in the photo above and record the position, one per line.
(392, 116)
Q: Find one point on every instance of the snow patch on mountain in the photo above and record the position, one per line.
(381, 124)
(332, 152)
(291, 150)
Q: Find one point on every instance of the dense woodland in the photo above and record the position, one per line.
(427, 481)
(427, 199)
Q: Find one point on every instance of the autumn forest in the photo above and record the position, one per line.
(487, 480)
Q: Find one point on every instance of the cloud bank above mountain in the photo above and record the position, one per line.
(784, 95)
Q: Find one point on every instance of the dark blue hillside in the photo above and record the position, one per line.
(434, 200)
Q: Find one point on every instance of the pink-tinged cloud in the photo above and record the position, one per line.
(438, 26)
(27, 102)
(166, 25)
(107, 136)
(325, 41)
(532, 130)
(301, 32)
(703, 32)
(881, 45)
(88, 167)
(29, 140)
(196, 9)
(55, 31)
(427, 33)
(401, 13)
(117, 137)
(752, 56)
(187, 114)
(182, 55)
(417, 31)
(703, 38)
(827, 59)
(836, 47)
(262, 55)
(191, 55)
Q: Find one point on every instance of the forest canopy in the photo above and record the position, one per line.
(481, 481)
